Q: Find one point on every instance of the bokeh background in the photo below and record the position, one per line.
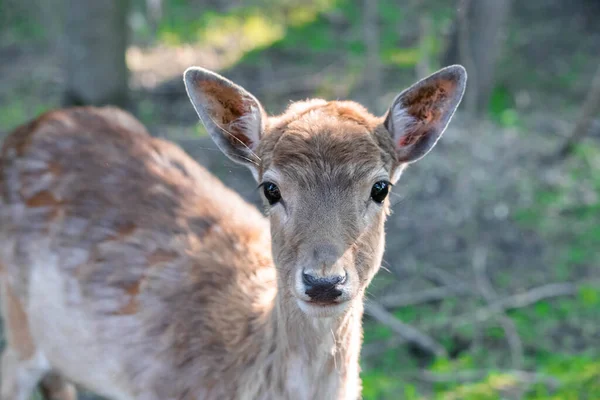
(491, 283)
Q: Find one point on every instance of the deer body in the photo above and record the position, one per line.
(129, 269)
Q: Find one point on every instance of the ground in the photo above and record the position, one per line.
(481, 219)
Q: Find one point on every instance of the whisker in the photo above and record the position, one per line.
(204, 148)
(249, 160)
(383, 267)
(400, 198)
(236, 138)
(335, 366)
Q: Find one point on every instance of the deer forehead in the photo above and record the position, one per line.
(317, 110)
(333, 142)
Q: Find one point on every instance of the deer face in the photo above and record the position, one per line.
(325, 170)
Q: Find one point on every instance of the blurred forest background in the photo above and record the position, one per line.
(491, 282)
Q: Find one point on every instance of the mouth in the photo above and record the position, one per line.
(322, 310)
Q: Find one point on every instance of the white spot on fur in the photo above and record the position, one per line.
(298, 381)
(55, 326)
(40, 183)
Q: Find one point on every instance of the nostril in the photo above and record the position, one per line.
(323, 289)
(342, 278)
(309, 280)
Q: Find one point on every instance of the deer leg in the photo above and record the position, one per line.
(20, 377)
(54, 387)
(23, 366)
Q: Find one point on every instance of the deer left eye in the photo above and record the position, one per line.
(380, 191)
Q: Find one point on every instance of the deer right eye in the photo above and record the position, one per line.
(271, 192)
(380, 191)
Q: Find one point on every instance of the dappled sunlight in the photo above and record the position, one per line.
(217, 40)
(402, 57)
(160, 63)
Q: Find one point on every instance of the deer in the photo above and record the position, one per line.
(128, 269)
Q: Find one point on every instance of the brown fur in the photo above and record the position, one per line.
(327, 152)
(231, 107)
(428, 107)
(18, 333)
(142, 232)
(131, 270)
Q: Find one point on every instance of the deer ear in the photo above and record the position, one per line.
(232, 116)
(420, 114)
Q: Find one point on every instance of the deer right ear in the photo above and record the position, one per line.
(232, 116)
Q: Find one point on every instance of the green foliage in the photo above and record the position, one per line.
(251, 26)
(17, 111)
(316, 26)
(543, 327)
(501, 108)
(239, 31)
(589, 296)
(579, 377)
(378, 384)
(375, 332)
(567, 213)
(20, 25)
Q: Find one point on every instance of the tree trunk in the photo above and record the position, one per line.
(95, 45)
(476, 43)
(372, 62)
(589, 110)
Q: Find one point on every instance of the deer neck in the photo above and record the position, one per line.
(317, 357)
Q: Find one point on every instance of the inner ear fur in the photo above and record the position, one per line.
(420, 114)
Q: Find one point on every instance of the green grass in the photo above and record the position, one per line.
(569, 213)
(577, 377)
(559, 335)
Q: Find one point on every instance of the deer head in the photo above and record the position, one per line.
(325, 170)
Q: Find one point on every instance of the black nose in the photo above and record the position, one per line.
(323, 289)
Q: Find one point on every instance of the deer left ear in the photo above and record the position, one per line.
(420, 114)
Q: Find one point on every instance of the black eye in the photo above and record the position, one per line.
(380, 191)
(271, 192)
